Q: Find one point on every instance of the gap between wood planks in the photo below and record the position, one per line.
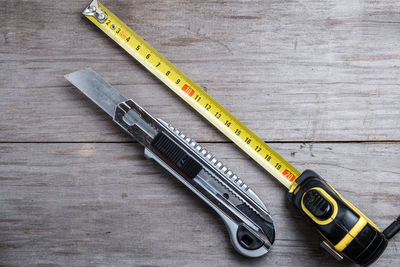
(208, 142)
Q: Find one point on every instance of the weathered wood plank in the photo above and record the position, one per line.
(105, 205)
(298, 70)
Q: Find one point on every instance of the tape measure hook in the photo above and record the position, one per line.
(94, 10)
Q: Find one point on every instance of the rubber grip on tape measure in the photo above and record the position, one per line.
(344, 227)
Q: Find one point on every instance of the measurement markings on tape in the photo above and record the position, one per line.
(191, 93)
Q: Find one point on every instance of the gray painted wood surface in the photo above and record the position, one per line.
(318, 79)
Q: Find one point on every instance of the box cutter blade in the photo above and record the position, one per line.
(248, 221)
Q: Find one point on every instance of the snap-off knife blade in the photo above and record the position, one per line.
(248, 221)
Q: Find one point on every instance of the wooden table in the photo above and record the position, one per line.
(318, 80)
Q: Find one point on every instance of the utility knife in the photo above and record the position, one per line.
(247, 219)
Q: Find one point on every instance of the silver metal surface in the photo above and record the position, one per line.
(229, 174)
(331, 251)
(220, 187)
(225, 175)
(94, 10)
(97, 89)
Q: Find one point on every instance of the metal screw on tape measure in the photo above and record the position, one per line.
(95, 11)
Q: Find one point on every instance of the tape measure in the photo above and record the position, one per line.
(192, 94)
(346, 231)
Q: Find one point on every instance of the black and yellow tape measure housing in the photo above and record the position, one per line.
(346, 230)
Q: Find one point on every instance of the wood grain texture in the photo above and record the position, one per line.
(290, 70)
(74, 190)
(105, 205)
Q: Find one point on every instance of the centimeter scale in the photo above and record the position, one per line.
(345, 230)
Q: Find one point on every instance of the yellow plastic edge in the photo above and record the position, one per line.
(361, 223)
(356, 210)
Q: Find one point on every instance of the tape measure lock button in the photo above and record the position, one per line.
(317, 204)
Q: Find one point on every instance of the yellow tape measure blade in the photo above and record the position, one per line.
(191, 93)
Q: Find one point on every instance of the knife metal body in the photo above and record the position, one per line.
(248, 221)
